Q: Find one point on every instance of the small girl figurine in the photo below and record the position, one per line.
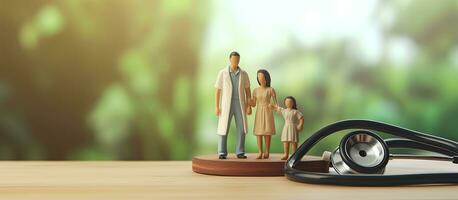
(264, 125)
(294, 123)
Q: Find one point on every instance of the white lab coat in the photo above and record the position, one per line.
(224, 83)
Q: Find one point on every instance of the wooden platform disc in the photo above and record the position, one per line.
(232, 166)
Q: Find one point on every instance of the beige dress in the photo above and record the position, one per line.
(264, 120)
(292, 117)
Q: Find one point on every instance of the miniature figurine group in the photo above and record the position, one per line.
(233, 99)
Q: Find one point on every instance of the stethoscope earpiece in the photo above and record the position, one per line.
(326, 156)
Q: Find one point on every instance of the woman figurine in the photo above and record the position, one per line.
(294, 123)
(264, 119)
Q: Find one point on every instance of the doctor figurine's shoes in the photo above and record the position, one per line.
(241, 156)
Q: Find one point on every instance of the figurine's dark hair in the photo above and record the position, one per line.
(234, 53)
(266, 75)
(294, 101)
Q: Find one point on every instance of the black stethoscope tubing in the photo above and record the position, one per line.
(415, 140)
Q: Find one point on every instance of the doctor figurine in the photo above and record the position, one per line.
(233, 88)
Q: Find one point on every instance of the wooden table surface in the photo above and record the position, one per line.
(175, 180)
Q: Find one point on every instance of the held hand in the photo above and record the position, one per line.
(248, 110)
(217, 111)
(271, 106)
(251, 102)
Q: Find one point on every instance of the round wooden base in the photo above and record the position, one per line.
(233, 166)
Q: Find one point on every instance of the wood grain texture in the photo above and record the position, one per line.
(232, 166)
(176, 180)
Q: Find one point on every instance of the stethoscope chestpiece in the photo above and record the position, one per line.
(360, 152)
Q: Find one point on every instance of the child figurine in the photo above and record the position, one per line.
(294, 123)
(264, 119)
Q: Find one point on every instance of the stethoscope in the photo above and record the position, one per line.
(362, 156)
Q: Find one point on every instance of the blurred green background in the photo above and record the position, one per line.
(134, 79)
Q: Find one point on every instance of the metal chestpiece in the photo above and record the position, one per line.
(360, 152)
